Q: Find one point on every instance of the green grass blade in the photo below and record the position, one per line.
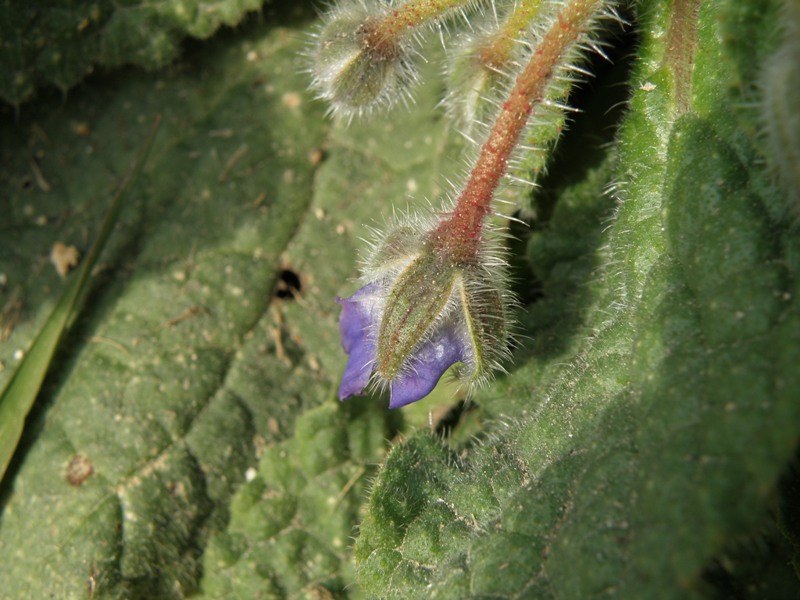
(19, 395)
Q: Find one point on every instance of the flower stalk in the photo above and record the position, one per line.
(681, 42)
(497, 50)
(409, 17)
(461, 232)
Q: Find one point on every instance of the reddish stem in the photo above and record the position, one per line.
(460, 234)
(383, 35)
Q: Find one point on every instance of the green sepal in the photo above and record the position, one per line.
(417, 300)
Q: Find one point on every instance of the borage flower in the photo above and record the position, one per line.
(433, 296)
(421, 314)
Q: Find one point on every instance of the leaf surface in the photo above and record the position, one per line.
(153, 399)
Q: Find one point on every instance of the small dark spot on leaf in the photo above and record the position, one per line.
(79, 469)
(26, 184)
(288, 285)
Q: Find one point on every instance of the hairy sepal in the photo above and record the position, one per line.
(426, 292)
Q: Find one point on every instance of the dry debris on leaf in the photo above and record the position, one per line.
(64, 258)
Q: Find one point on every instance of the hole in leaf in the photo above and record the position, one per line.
(288, 285)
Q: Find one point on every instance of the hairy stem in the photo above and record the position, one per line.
(460, 233)
(383, 34)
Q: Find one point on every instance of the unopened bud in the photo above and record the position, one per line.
(354, 68)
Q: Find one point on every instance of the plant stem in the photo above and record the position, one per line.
(460, 234)
(382, 35)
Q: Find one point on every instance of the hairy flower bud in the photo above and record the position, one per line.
(420, 312)
(354, 68)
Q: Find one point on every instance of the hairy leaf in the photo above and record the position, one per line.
(155, 410)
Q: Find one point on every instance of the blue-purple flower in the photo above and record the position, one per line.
(418, 316)
(426, 365)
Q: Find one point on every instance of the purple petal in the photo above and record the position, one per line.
(428, 365)
(354, 326)
(358, 371)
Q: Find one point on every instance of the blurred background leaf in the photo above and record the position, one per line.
(150, 402)
(60, 42)
(20, 393)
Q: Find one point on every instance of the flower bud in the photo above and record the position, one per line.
(356, 70)
(419, 314)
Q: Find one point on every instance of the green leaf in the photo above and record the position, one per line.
(20, 393)
(187, 440)
(61, 43)
(170, 381)
(291, 524)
